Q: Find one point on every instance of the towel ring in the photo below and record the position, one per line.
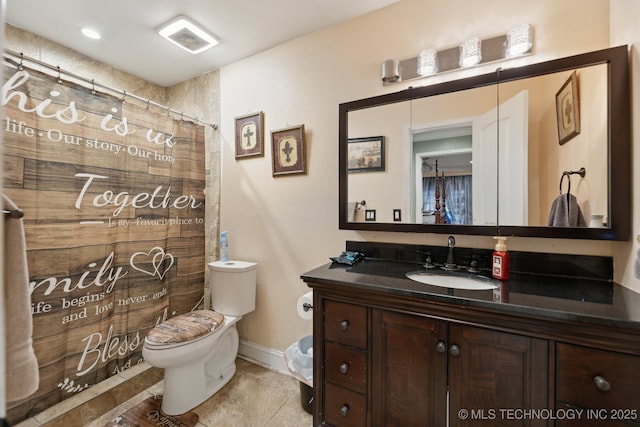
(568, 182)
(582, 172)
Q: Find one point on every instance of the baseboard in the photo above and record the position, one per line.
(263, 356)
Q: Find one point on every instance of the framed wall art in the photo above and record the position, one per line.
(366, 154)
(568, 109)
(249, 135)
(288, 151)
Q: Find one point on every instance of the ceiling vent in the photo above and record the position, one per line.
(188, 35)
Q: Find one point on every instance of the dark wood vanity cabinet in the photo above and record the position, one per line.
(387, 355)
(414, 359)
(541, 350)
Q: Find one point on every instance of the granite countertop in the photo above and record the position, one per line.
(571, 299)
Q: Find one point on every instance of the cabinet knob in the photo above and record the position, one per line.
(454, 350)
(344, 411)
(344, 368)
(601, 383)
(344, 325)
(441, 347)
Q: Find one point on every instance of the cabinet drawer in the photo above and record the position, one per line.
(598, 379)
(346, 367)
(345, 323)
(344, 407)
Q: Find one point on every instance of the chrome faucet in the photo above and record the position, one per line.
(451, 259)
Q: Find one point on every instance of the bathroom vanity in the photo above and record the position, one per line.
(540, 350)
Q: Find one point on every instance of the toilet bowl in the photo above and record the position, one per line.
(198, 349)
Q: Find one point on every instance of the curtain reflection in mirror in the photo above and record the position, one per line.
(458, 193)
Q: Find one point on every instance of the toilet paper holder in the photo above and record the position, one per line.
(305, 305)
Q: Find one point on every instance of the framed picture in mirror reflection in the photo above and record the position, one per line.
(366, 154)
(568, 109)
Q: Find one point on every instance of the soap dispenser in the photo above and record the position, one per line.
(500, 259)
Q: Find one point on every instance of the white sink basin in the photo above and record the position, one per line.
(453, 280)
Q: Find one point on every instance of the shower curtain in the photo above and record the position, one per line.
(113, 202)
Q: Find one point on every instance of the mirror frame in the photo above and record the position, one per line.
(619, 131)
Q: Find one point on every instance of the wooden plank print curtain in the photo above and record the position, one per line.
(113, 202)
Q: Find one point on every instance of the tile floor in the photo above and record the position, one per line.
(255, 397)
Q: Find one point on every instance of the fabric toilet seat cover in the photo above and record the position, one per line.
(186, 327)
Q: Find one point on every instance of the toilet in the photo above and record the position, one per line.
(198, 349)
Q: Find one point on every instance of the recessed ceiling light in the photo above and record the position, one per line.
(186, 34)
(91, 33)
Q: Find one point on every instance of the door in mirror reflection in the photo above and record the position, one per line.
(477, 164)
(457, 132)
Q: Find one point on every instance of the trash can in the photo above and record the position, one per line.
(306, 397)
(299, 359)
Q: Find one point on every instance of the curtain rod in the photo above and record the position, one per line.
(93, 84)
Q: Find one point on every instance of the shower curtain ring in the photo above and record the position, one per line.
(124, 95)
(59, 75)
(93, 87)
(20, 65)
(148, 104)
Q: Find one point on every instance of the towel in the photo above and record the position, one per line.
(565, 212)
(22, 375)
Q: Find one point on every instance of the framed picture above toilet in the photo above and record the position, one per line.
(250, 135)
(288, 151)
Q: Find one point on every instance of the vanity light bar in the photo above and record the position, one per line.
(472, 52)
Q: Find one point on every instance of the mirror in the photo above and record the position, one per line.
(501, 158)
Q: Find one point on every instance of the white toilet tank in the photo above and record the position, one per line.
(233, 287)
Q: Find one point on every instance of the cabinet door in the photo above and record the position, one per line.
(408, 372)
(494, 374)
(603, 383)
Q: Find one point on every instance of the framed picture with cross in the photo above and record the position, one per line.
(568, 109)
(249, 135)
(288, 151)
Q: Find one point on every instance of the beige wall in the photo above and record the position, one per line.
(290, 224)
(625, 30)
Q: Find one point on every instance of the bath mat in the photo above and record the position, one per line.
(148, 414)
